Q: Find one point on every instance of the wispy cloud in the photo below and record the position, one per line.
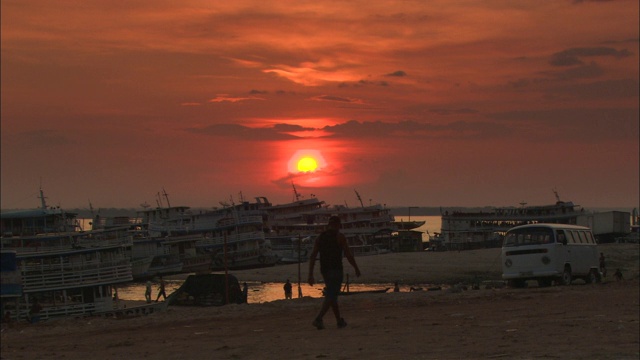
(398, 73)
(236, 131)
(572, 56)
(337, 99)
(228, 98)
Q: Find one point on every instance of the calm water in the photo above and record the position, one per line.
(265, 292)
(432, 225)
(258, 292)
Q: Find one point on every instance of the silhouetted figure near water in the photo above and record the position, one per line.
(147, 292)
(34, 312)
(245, 292)
(618, 275)
(161, 290)
(331, 245)
(288, 290)
(603, 266)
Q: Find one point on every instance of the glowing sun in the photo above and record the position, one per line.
(307, 164)
(306, 161)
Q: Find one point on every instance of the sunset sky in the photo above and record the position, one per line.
(411, 103)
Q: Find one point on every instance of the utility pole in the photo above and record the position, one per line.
(299, 262)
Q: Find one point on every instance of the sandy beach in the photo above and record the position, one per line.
(580, 321)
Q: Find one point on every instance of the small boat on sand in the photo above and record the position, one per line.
(377, 291)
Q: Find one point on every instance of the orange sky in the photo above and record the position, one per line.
(411, 103)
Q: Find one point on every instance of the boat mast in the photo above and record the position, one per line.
(359, 198)
(166, 196)
(295, 192)
(43, 202)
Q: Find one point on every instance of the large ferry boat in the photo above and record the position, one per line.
(165, 234)
(234, 236)
(62, 269)
(368, 228)
(470, 230)
(231, 237)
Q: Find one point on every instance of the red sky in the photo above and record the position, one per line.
(411, 103)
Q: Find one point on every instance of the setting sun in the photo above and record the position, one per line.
(306, 161)
(307, 164)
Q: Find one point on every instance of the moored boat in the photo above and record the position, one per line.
(469, 230)
(291, 250)
(237, 241)
(63, 271)
(368, 228)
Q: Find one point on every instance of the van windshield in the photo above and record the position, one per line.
(529, 236)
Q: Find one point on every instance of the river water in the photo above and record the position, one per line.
(265, 292)
(258, 292)
(431, 226)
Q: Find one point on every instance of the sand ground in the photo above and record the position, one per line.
(599, 321)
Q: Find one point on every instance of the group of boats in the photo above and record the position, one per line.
(462, 230)
(73, 271)
(49, 258)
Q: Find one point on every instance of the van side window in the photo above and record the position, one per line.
(590, 238)
(560, 236)
(574, 237)
(583, 238)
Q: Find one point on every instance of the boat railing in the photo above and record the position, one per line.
(68, 244)
(44, 277)
(182, 238)
(383, 218)
(62, 310)
(208, 224)
(233, 238)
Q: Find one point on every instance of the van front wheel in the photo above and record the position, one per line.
(566, 276)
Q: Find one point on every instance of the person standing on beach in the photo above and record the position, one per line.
(331, 245)
(34, 312)
(603, 265)
(245, 292)
(161, 290)
(147, 292)
(288, 290)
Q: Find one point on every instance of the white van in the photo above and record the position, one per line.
(549, 252)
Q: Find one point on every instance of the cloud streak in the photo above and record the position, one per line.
(573, 56)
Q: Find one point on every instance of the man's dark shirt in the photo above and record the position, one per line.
(330, 251)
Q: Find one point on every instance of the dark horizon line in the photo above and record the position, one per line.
(395, 210)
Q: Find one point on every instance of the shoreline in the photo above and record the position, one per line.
(437, 268)
(577, 322)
